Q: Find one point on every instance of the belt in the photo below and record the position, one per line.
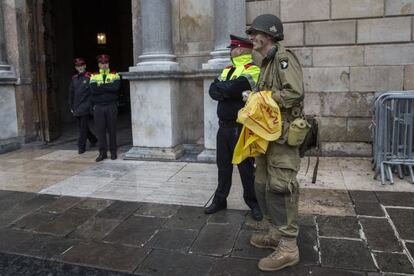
(229, 124)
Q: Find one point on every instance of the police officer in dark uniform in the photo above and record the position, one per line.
(228, 90)
(80, 104)
(105, 86)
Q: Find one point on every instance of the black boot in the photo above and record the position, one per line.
(256, 213)
(81, 150)
(102, 156)
(215, 206)
(113, 155)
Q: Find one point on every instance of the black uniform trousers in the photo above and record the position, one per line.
(85, 132)
(105, 120)
(227, 137)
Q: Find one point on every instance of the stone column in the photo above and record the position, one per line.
(229, 18)
(154, 88)
(156, 37)
(4, 67)
(8, 114)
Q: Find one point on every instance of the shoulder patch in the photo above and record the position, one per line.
(284, 63)
(229, 67)
(113, 72)
(246, 66)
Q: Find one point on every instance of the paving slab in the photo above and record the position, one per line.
(119, 210)
(243, 248)
(11, 198)
(173, 239)
(234, 266)
(135, 231)
(94, 204)
(187, 218)
(227, 216)
(165, 262)
(25, 265)
(308, 245)
(373, 209)
(110, 170)
(66, 222)
(34, 220)
(410, 247)
(24, 208)
(108, 256)
(216, 239)
(45, 246)
(11, 238)
(403, 221)
(62, 204)
(396, 199)
(346, 254)
(325, 202)
(363, 196)
(323, 271)
(157, 210)
(334, 226)
(394, 262)
(95, 229)
(380, 235)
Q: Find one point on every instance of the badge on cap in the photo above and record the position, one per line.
(273, 29)
(284, 64)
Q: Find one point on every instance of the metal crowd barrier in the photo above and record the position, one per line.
(393, 135)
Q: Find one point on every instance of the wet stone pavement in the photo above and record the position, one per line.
(62, 235)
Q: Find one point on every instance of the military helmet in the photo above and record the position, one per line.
(268, 24)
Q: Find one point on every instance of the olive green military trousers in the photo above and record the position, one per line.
(277, 189)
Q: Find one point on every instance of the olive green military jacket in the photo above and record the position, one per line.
(281, 73)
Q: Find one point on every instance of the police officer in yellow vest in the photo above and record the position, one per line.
(105, 86)
(277, 188)
(228, 90)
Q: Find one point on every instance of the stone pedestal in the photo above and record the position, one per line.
(8, 126)
(210, 124)
(8, 114)
(154, 115)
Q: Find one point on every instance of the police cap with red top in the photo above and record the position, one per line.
(79, 61)
(102, 58)
(238, 41)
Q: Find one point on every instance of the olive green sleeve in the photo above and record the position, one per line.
(291, 79)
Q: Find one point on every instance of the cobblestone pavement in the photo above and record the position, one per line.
(64, 235)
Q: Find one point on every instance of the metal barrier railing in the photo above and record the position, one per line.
(393, 135)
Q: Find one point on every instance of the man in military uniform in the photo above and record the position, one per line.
(228, 90)
(105, 86)
(277, 188)
(80, 104)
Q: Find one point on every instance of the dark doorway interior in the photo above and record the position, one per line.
(70, 30)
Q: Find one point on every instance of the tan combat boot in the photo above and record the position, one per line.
(270, 240)
(286, 254)
(263, 224)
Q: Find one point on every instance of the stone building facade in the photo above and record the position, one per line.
(350, 50)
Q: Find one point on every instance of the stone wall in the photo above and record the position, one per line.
(350, 49)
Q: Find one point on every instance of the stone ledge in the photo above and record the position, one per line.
(151, 75)
(7, 145)
(139, 153)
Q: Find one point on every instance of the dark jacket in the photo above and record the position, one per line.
(229, 96)
(80, 94)
(227, 89)
(105, 86)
